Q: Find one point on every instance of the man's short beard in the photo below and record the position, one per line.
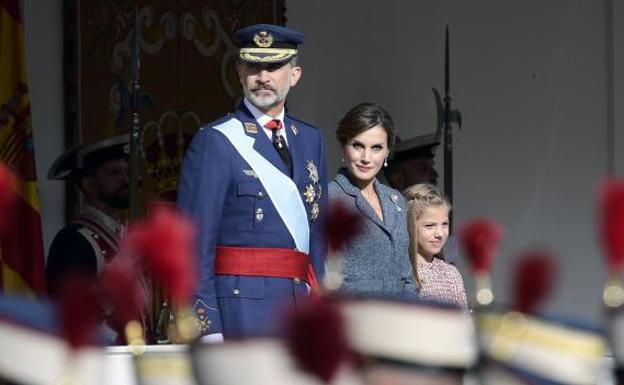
(264, 103)
(115, 200)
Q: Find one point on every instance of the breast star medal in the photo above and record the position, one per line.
(313, 172)
(309, 194)
(314, 212)
(313, 191)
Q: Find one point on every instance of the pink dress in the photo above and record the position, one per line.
(441, 281)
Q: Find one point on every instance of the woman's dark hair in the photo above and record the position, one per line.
(361, 118)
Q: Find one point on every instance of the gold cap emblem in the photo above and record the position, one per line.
(263, 39)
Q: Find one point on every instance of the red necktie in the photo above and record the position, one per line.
(274, 125)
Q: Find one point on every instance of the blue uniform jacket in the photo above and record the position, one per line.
(220, 191)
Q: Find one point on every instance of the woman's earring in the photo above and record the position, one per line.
(386, 162)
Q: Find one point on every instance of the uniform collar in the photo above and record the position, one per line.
(111, 224)
(263, 119)
(260, 116)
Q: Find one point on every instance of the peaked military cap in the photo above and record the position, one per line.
(73, 162)
(267, 43)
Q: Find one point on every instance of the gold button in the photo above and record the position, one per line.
(236, 292)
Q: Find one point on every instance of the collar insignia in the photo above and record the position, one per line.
(251, 128)
(294, 129)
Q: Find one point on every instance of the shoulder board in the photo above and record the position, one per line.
(222, 119)
(302, 122)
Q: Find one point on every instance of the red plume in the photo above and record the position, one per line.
(316, 337)
(165, 243)
(121, 289)
(7, 196)
(480, 239)
(611, 225)
(533, 280)
(79, 305)
(342, 225)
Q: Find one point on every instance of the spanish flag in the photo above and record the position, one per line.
(21, 245)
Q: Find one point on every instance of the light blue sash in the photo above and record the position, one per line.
(281, 189)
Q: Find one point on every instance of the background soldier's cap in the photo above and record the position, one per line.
(79, 158)
(267, 43)
(421, 146)
(522, 348)
(33, 352)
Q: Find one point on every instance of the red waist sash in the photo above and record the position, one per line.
(264, 262)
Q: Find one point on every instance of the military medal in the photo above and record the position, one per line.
(309, 194)
(313, 172)
(280, 141)
(259, 215)
(313, 190)
(315, 211)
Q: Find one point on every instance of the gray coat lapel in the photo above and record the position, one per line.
(387, 207)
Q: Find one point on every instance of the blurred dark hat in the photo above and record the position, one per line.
(421, 146)
(81, 158)
(267, 43)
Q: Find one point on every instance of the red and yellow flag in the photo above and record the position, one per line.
(21, 244)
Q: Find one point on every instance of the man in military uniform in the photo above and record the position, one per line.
(100, 171)
(255, 184)
(413, 162)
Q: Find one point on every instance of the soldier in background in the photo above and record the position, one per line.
(413, 162)
(100, 171)
(90, 241)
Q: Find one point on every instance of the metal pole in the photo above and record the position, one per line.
(448, 133)
(134, 164)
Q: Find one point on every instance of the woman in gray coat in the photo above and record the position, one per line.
(377, 260)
